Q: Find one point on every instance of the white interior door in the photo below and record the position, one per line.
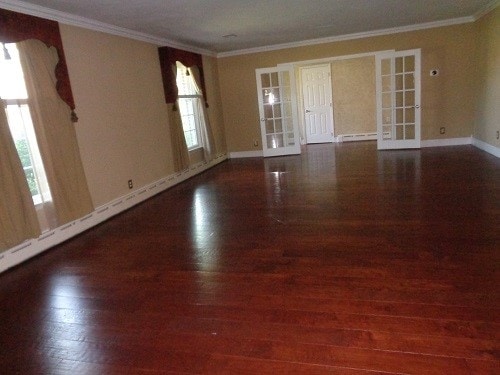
(278, 111)
(317, 94)
(398, 99)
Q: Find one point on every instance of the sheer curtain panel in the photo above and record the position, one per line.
(179, 146)
(55, 132)
(205, 127)
(18, 219)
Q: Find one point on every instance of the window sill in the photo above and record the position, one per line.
(195, 149)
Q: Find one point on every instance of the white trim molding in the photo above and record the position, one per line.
(73, 20)
(493, 150)
(373, 136)
(246, 154)
(329, 60)
(87, 23)
(393, 30)
(488, 8)
(446, 142)
(340, 38)
(49, 239)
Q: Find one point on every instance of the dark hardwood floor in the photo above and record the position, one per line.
(344, 260)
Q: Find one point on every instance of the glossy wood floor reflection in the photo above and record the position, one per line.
(344, 260)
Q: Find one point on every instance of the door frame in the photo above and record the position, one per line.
(296, 65)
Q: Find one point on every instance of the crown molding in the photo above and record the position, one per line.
(70, 19)
(488, 8)
(340, 38)
(86, 23)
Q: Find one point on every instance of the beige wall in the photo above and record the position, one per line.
(353, 86)
(488, 76)
(447, 99)
(123, 131)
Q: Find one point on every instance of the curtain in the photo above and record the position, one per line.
(179, 146)
(18, 219)
(15, 27)
(55, 132)
(207, 136)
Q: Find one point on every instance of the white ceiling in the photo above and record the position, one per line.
(257, 23)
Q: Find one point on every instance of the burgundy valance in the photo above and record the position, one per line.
(168, 57)
(16, 27)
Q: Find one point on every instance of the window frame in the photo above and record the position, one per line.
(196, 120)
(22, 123)
(37, 198)
(181, 69)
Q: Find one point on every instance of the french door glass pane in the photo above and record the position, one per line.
(409, 63)
(269, 126)
(265, 80)
(274, 80)
(409, 81)
(410, 131)
(398, 64)
(275, 140)
(409, 98)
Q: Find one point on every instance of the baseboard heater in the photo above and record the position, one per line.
(35, 246)
(357, 137)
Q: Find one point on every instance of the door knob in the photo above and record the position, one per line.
(308, 111)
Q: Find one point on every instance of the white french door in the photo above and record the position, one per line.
(398, 99)
(278, 111)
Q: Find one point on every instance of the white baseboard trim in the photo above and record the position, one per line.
(30, 248)
(246, 154)
(495, 151)
(446, 142)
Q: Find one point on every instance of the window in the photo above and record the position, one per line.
(189, 104)
(15, 102)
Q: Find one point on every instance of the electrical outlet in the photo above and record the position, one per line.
(442, 130)
(255, 143)
(130, 184)
(498, 134)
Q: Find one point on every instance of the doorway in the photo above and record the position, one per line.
(398, 100)
(352, 96)
(350, 127)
